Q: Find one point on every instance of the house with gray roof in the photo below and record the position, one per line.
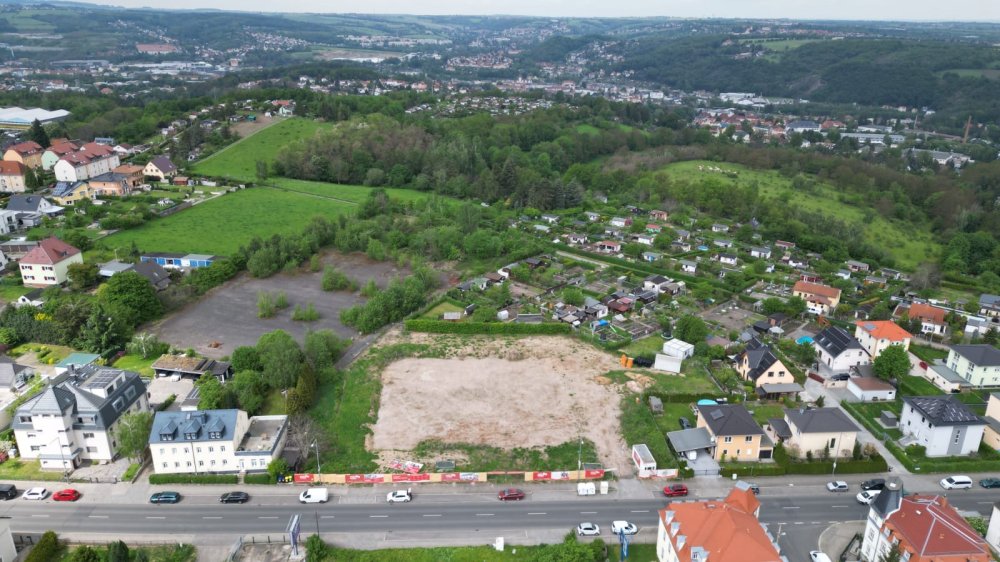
(837, 351)
(821, 431)
(215, 441)
(74, 419)
(942, 424)
(13, 375)
(978, 364)
(734, 433)
(989, 305)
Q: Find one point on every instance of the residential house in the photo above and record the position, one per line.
(178, 261)
(717, 227)
(784, 245)
(977, 326)
(734, 433)
(715, 531)
(609, 247)
(653, 228)
(215, 441)
(651, 256)
(17, 249)
(688, 266)
(760, 252)
(48, 264)
(621, 222)
(991, 435)
(124, 149)
(942, 424)
(945, 378)
(133, 174)
(31, 209)
(577, 238)
(871, 389)
(69, 193)
(551, 219)
(592, 216)
(989, 305)
(820, 299)
(821, 431)
(727, 259)
(837, 351)
(803, 126)
(160, 168)
(924, 528)
(75, 419)
(877, 335)
(656, 283)
(978, 364)
(12, 177)
(875, 280)
(91, 160)
(8, 223)
(13, 375)
(658, 215)
(158, 277)
(110, 184)
(843, 274)
(53, 153)
(192, 367)
(28, 153)
(932, 318)
(645, 239)
(682, 234)
(759, 365)
(723, 243)
(857, 266)
(680, 246)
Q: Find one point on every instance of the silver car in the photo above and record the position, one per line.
(588, 529)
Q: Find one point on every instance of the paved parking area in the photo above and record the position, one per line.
(161, 388)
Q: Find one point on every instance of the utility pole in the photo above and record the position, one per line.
(319, 467)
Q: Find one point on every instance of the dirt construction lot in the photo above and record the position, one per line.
(529, 392)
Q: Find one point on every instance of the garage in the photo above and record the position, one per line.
(697, 441)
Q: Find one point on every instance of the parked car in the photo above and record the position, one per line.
(36, 494)
(623, 527)
(675, 490)
(867, 496)
(510, 494)
(873, 484)
(588, 529)
(990, 482)
(165, 497)
(8, 491)
(67, 495)
(685, 423)
(234, 497)
(956, 483)
(837, 486)
(840, 377)
(314, 495)
(397, 496)
(817, 556)
(755, 489)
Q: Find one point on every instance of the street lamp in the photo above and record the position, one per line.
(579, 460)
(319, 467)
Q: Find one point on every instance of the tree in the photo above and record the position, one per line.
(245, 358)
(37, 133)
(261, 168)
(132, 296)
(147, 346)
(249, 390)
(892, 363)
(280, 359)
(277, 467)
(132, 434)
(103, 333)
(691, 329)
(891, 555)
(82, 275)
(118, 552)
(212, 395)
(86, 553)
(991, 336)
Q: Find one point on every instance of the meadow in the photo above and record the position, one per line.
(908, 243)
(238, 161)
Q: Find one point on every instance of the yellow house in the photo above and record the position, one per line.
(68, 193)
(734, 433)
(819, 431)
(28, 153)
(48, 262)
(991, 435)
(759, 365)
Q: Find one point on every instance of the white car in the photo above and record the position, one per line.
(623, 527)
(36, 494)
(397, 496)
(588, 529)
(838, 486)
(867, 496)
(956, 483)
(817, 556)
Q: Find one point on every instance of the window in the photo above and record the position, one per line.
(189, 463)
(215, 435)
(88, 435)
(224, 461)
(213, 462)
(186, 451)
(91, 449)
(198, 449)
(130, 392)
(35, 448)
(177, 465)
(161, 450)
(201, 463)
(748, 439)
(119, 404)
(25, 419)
(173, 450)
(31, 436)
(727, 439)
(211, 449)
(164, 465)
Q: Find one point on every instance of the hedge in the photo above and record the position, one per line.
(259, 478)
(193, 479)
(508, 328)
(46, 550)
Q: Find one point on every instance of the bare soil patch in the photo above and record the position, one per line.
(501, 392)
(246, 128)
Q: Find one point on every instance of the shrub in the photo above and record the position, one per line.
(335, 280)
(166, 403)
(265, 305)
(307, 314)
(46, 550)
(259, 478)
(193, 479)
(131, 471)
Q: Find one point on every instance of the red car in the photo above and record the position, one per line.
(67, 495)
(675, 490)
(510, 494)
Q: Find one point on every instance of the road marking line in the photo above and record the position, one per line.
(159, 517)
(98, 516)
(840, 506)
(432, 515)
(791, 507)
(39, 515)
(326, 516)
(986, 503)
(639, 511)
(267, 517)
(378, 516)
(798, 523)
(537, 513)
(588, 513)
(815, 522)
(484, 515)
(211, 517)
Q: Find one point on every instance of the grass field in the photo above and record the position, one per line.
(222, 225)
(909, 244)
(650, 345)
(21, 469)
(990, 73)
(344, 192)
(238, 161)
(136, 363)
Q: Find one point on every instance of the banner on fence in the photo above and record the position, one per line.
(411, 477)
(387, 478)
(364, 478)
(544, 476)
(408, 467)
(304, 478)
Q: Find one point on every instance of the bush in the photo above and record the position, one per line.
(131, 471)
(166, 403)
(46, 550)
(307, 314)
(442, 327)
(259, 478)
(193, 479)
(335, 280)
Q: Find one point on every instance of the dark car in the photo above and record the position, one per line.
(755, 489)
(508, 494)
(990, 482)
(685, 424)
(675, 490)
(840, 377)
(873, 484)
(234, 497)
(165, 497)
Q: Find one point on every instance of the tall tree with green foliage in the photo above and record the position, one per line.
(249, 390)
(892, 363)
(212, 395)
(132, 434)
(37, 133)
(132, 297)
(103, 332)
(280, 359)
(118, 552)
(691, 329)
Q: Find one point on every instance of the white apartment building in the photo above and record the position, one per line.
(74, 419)
(213, 441)
(941, 424)
(978, 364)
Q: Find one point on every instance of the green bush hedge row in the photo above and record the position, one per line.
(510, 328)
(260, 478)
(193, 479)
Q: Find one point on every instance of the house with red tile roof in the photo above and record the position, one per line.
(12, 176)
(28, 153)
(47, 264)
(820, 299)
(876, 335)
(926, 527)
(932, 318)
(714, 530)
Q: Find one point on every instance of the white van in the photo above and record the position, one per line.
(314, 495)
(956, 483)
(586, 489)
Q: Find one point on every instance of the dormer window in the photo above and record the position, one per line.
(190, 436)
(166, 437)
(215, 435)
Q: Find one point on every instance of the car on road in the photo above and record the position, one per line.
(840, 377)
(67, 495)
(398, 496)
(873, 484)
(755, 489)
(508, 494)
(165, 497)
(234, 497)
(956, 483)
(837, 486)
(867, 496)
(623, 527)
(588, 529)
(36, 494)
(314, 495)
(817, 556)
(675, 490)
(990, 482)
(684, 423)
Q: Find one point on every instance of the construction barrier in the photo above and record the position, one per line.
(471, 477)
(543, 476)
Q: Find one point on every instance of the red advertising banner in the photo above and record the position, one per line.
(364, 478)
(411, 477)
(459, 477)
(304, 478)
(599, 473)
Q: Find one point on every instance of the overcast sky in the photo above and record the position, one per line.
(966, 10)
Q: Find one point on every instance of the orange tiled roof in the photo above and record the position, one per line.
(931, 529)
(49, 252)
(817, 289)
(728, 530)
(11, 168)
(927, 312)
(884, 330)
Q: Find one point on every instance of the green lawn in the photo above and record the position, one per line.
(171, 553)
(868, 414)
(238, 161)
(765, 411)
(11, 291)
(927, 353)
(693, 381)
(345, 192)
(436, 312)
(222, 225)
(274, 404)
(48, 353)
(649, 345)
(917, 386)
(22, 469)
(909, 244)
(136, 363)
